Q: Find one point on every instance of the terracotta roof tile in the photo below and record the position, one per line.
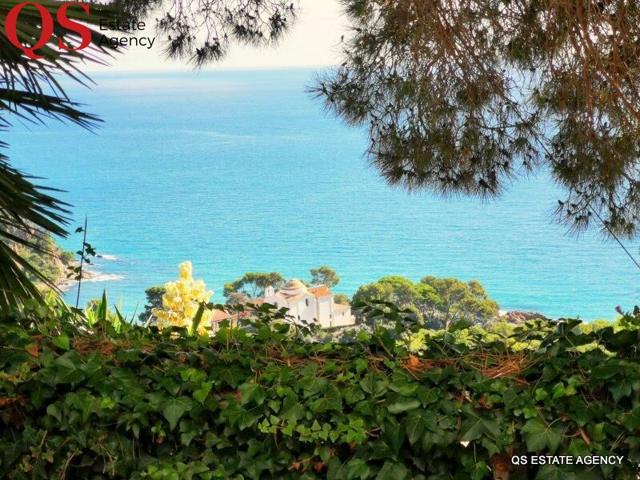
(320, 291)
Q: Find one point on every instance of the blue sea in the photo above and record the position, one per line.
(244, 171)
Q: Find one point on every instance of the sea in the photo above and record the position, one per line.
(242, 171)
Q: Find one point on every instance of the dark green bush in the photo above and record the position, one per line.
(84, 403)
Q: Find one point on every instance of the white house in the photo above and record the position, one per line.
(310, 304)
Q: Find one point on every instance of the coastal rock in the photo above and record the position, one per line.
(521, 317)
(65, 284)
(88, 276)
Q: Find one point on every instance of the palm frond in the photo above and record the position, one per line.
(26, 210)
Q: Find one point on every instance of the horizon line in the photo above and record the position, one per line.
(205, 69)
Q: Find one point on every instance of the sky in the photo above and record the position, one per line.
(313, 41)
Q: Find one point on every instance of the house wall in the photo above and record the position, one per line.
(319, 310)
(308, 313)
(274, 300)
(325, 317)
(293, 309)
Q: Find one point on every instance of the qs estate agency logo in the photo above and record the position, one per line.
(41, 20)
(12, 22)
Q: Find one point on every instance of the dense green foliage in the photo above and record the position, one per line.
(439, 302)
(324, 275)
(27, 212)
(154, 300)
(91, 401)
(251, 285)
(342, 299)
(55, 265)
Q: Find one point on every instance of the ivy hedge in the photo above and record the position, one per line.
(267, 401)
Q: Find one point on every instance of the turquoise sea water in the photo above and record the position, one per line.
(243, 171)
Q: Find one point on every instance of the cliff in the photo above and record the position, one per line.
(54, 266)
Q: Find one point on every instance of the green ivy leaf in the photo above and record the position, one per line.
(240, 417)
(620, 390)
(540, 436)
(175, 409)
(606, 370)
(330, 401)
(403, 406)
(66, 370)
(252, 393)
(392, 471)
(55, 412)
(202, 393)
(352, 395)
(357, 469)
(312, 385)
(231, 375)
(61, 341)
(293, 413)
(417, 423)
(374, 384)
(477, 427)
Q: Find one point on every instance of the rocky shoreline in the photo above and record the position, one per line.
(517, 316)
(88, 276)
